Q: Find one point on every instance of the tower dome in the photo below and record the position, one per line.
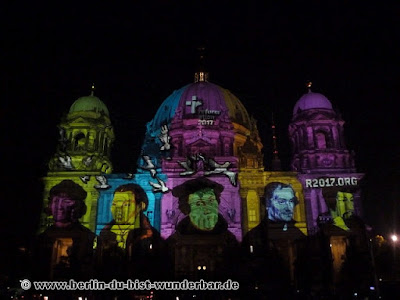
(89, 103)
(316, 135)
(311, 100)
(86, 138)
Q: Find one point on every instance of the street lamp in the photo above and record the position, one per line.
(394, 238)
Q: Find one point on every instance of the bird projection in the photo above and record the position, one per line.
(102, 180)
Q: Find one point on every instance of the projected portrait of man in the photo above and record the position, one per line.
(278, 223)
(199, 200)
(128, 245)
(280, 200)
(340, 205)
(128, 203)
(344, 204)
(203, 209)
(276, 244)
(66, 203)
(66, 247)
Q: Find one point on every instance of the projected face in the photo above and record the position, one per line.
(281, 204)
(203, 209)
(123, 208)
(344, 204)
(62, 208)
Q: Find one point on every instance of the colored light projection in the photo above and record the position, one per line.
(281, 200)
(195, 133)
(283, 207)
(199, 199)
(85, 138)
(67, 203)
(71, 188)
(83, 146)
(340, 206)
(120, 206)
(128, 202)
(202, 237)
(200, 162)
(203, 209)
(65, 245)
(333, 199)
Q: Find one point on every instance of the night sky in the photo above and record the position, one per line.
(137, 55)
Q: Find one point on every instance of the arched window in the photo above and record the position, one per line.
(91, 141)
(105, 146)
(80, 141)
(253, 209)
(321, 140)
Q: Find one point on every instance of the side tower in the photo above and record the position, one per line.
(83, 154)
(330, 183)
(326, 167)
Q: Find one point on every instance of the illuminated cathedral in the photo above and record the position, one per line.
(203, 133)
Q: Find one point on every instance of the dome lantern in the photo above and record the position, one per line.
(201, 75)
(89, 103)
(311, 100)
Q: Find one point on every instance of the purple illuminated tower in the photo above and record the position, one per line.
(324, 164)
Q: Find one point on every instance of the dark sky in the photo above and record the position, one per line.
(139, 54)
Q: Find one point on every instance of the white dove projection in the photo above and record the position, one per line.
(189, 165)
(231, 213)
(216, 168)
(129, 176)
(85, 179)
(61, 132)
(62, 139)
(149, 166)
(164, 138)
(87, 161)
(159, 187)
(103, 182)
(66, 162)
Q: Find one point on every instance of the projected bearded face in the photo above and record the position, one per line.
(203, 209)
(62, 209)
(281, 204)
(123, 208)
(344, 204)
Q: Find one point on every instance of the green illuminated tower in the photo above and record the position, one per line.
(83, 153)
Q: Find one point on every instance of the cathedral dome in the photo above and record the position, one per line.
(312, 100)
(212, 98)
(89, 104)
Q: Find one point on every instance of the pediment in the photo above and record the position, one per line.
(78, 120)
(320, 116)
(200, 142)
